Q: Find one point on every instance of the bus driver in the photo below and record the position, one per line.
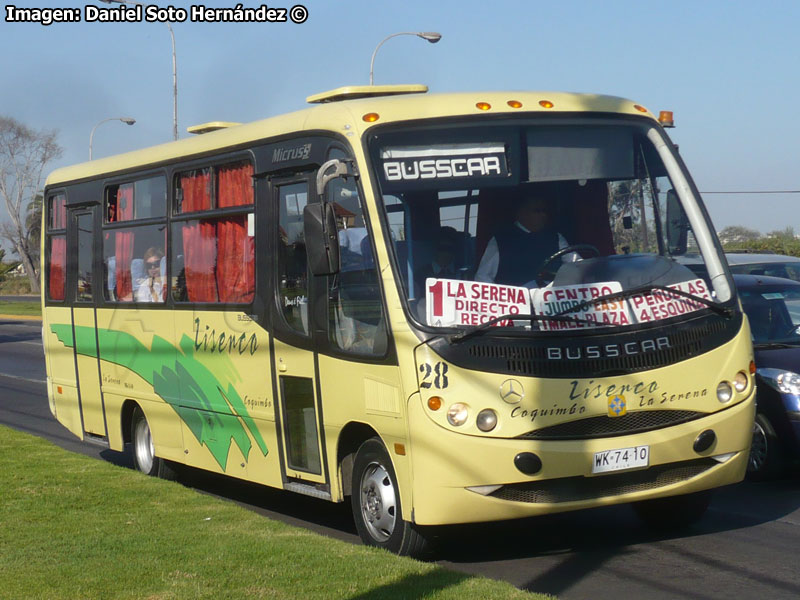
(518, 249)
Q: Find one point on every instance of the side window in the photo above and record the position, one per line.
(135, 267)
(213, 258)
(56, 251)
(141, 199)
(134, 256)
(85, 256)
(356, 320)
(292, 263)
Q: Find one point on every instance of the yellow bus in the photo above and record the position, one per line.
(444, 308)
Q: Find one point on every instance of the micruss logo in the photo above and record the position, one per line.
(608, 350)
(296, 153)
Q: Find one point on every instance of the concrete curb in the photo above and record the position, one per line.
(20, 318)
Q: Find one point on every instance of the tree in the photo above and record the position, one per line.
(24, 153)
(783, 234)
(4, 268)
(33, 224)
(736, 234)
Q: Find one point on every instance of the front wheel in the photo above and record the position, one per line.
(673, 512)
(765, 460)
(144, 456)
(376, 504)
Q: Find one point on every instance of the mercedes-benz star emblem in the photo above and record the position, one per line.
(512, 391)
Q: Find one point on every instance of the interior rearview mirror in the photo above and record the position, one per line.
(677, 224)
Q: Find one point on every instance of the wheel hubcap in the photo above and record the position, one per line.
(143, 446)
(758, 449)
(378, 502)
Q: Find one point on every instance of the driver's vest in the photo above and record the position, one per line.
(522, 253)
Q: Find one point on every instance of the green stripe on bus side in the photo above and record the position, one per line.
(186, 379)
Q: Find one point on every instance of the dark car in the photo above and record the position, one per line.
(772, 306)
(772, 265)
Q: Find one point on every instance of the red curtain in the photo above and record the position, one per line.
(235, 248)
(218, 254)
(123, 244)
(58, 212)
(235, 185)
(196, 190)
(58, 263)
(125, 202)
(199, 239)
(200, 256)
(235, 259)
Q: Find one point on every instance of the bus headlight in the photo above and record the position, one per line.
(486, 420)
(457, 414)
(740, 381)
(724, 392)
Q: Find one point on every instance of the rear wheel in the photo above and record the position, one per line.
(765, 461)
(673, 512)
(376, 504)
(144, 456)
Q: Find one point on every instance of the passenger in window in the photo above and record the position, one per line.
(518, 249)
(111, 278)
(151, 288)
(352, 239)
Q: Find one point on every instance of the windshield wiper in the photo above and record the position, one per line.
(646, 289)
(483, 327)
(775, 345)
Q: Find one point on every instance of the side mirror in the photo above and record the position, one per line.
(677, 225)
(322, 241)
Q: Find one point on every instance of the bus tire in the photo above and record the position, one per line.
(673, 512)
(144, 457)
(765, 460)
(376, 507)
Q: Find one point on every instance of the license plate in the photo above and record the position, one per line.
(621, 459)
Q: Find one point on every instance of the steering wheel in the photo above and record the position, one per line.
(546, 275)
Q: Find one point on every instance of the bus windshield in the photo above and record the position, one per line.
(582, 219)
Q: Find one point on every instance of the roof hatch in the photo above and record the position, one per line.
(210, 126)
(352, 92)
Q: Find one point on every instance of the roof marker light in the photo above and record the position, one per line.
(483, 105)
(545, 104)
(666, 119)
(640, 108)
(371, 117)
(514, 103)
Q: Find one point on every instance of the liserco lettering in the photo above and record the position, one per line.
(442, 168)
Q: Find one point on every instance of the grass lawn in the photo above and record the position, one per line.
(32, 309)
(76, 527)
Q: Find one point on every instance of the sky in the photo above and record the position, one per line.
(728, 69)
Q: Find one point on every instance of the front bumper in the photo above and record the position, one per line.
(445, 464)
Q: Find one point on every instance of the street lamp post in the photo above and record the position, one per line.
(127, 120)
(431, 36)
(174, 68)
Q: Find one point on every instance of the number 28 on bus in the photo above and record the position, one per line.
(440, 308)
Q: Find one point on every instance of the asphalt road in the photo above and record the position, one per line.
(747, 546)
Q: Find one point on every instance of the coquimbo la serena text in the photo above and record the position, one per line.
(304, 302)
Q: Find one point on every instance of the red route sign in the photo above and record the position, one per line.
(453, 302)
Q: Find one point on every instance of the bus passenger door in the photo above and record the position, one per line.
(85, 323)
(298, 406)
